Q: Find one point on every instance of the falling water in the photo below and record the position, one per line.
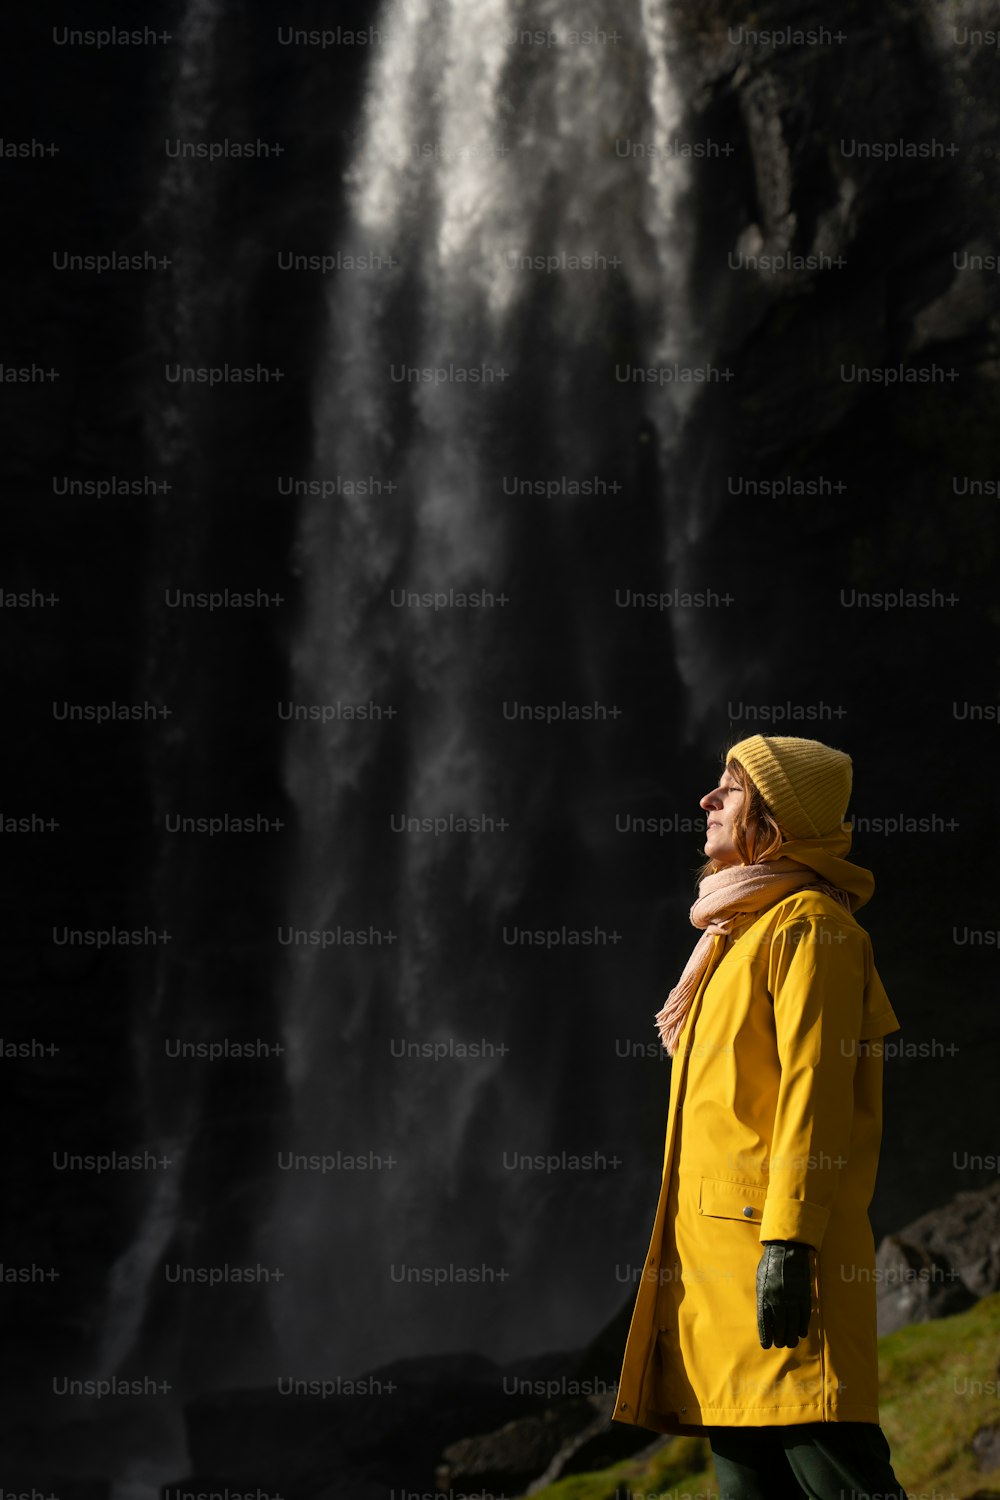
(476, 149)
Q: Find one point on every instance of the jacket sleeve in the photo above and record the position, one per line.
(816, 978)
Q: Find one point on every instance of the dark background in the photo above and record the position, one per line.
(904, 678)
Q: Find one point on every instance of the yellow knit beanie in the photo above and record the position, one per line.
(807, 785)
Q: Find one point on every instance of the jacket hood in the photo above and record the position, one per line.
(826, 856)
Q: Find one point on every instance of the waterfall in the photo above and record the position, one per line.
(479, 147)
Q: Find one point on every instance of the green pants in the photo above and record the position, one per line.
(818, 1460)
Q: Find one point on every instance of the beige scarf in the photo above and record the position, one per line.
(723, 898)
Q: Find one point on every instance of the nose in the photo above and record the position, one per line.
(710, 800)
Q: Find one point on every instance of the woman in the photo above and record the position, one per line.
(754, 1322)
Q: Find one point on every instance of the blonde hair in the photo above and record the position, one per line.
(757, 834)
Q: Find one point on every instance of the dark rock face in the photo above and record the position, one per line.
(897, 292)
(941, 1263)
(575, 1436)
(915, 1285)
(514, 1455)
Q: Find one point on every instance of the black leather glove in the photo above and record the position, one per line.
(784, 1288)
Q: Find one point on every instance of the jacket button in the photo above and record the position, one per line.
(748, 1212)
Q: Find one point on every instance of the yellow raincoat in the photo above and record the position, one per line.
(773, 1132)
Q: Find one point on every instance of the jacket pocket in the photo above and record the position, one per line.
(732, 1200)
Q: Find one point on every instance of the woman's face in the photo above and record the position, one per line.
(722, 804)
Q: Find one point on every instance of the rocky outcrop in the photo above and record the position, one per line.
(941, 1263)
(573, 1436)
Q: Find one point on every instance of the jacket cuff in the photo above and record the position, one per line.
(791, 1219)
